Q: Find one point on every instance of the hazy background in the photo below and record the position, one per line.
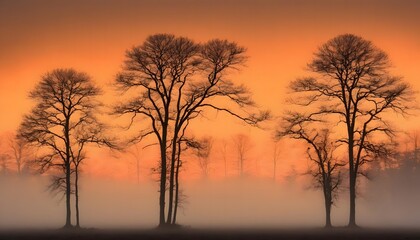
(281, 36)
(232, 203)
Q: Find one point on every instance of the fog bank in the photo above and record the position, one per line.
(229, 203)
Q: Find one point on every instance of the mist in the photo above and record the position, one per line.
(385, 201)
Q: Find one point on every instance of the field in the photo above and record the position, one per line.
(190, 234)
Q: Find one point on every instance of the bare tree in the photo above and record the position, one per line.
(136, 154)
(243, 146)
(415, 138)
(4, 158)
(65, 103)
(176, 80)
(224, 155)
(407, 159)
(147, 69)
(4, 162)
(325, 168)
(353, 87)
(21, 152)
(203, 152)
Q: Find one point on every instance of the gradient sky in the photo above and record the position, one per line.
(281, 36)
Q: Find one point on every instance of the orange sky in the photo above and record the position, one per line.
(92, 36)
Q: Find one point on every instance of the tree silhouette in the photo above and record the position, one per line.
(242, 144)
(353, 87)
(4, 159)
(203, 152)
(415, 138)
(4, 162)
(136, 154)
(224, 152)
(63, 115)
(174, 80)
(326, 170)
(21, 152)
(148, 69)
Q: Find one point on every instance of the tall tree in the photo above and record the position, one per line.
(176, 80)
(325, 168)
(65, 102)
(153, 70)
(326, 171)
(353, 85)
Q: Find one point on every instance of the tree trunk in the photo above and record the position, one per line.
(76, 192)
(176, 190)
(352, 183)
(327, 190)
(352, 176)
(328, 203)
(171, 179)
(352, 219)
(328, 214)
(18, 163)
(68, 173)
(162, 193)
(68, 195)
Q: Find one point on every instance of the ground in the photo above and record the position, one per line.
(201, 234)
